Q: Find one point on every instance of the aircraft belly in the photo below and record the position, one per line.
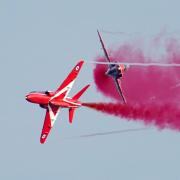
(59, 103)
(115, 74)
(42, 100)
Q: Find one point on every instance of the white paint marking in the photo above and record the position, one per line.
(77, 68)
(67, 88)
(43, 136)
(53, 116)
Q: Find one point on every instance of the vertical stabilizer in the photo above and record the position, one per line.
(71, 114)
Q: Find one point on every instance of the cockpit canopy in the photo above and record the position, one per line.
(50, 93)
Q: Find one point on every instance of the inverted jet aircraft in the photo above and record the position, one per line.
(53, 102)
(114, 70)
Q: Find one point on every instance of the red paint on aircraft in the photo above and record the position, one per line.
(54, 101)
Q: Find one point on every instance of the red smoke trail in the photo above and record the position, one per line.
(146, 89)
(143, 84)
(163, 116)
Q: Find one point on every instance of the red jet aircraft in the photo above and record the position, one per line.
(54, 101)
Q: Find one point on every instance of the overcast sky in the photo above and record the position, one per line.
(40, 42)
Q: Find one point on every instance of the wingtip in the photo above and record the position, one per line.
(80, 62)
(43, 138)
(42, 141)
(98, 33)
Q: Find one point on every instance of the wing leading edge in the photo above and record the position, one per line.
(103, 46)
(120, 90)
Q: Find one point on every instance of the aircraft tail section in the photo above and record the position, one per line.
(76, 97)
(71, 114)
(80, 93)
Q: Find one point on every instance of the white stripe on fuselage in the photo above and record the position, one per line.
(70, 102)
(66, 88)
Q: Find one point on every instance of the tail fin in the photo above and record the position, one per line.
(79, 94)
(71, 114)
(76, 97)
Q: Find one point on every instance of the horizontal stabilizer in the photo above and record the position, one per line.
(79, 94)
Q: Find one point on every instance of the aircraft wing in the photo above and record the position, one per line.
(119, 90)
(67, 84)
(103, 46)
(50, 118)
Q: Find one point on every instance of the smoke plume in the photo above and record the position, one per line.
(152, 93)
(162, 116)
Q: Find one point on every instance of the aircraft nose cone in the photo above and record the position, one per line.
(27, 97)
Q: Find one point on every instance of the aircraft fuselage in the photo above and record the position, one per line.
(44, 99)
(114, 72)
